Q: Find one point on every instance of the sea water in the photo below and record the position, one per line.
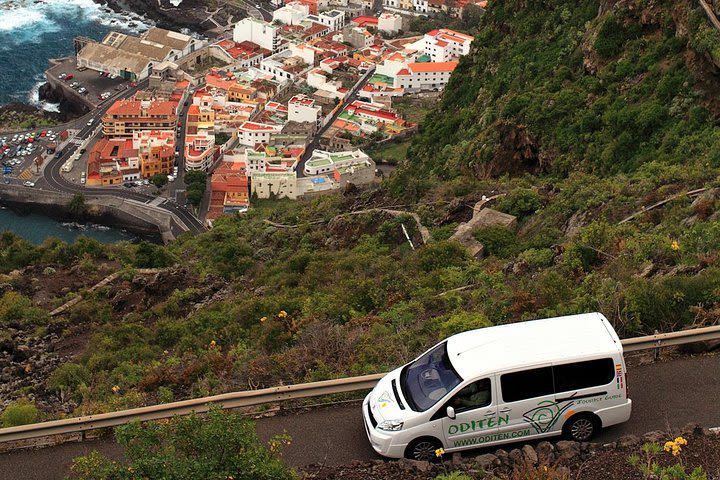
(33, 31)
(37, 228)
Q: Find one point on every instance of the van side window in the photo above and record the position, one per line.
(474, 395)
(536, 382)
(579, 375)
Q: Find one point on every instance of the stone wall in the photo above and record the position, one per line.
(113, 211)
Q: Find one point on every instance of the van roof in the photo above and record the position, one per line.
(517, 345)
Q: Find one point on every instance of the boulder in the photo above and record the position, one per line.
(515, 457)
(529, 455)
(502, 455)
(656, 436)
(545, 453)
(567, 450)
(627, 441)
(409, 464)
(692, 430)
(487, 461)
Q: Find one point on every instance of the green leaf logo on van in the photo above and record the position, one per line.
(385, 399)
(545, 415)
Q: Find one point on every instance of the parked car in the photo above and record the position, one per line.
(69, 77)
(29, 184)
(62, 76)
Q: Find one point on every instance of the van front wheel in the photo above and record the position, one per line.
(581, 428)
(423, 449)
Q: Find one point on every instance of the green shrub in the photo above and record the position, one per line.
(222, 446)
(69, 377)
(16, 308)
(613, 35)
(520, 202)
(538, 257)
(498, 241)
(462, 322)
(20, 412)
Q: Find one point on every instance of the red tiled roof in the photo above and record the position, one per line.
(433, 66)
(134, 107)
(363, 20)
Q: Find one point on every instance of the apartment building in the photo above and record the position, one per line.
(425, 76)
(156, 151)
(125, 117)
(258, 32)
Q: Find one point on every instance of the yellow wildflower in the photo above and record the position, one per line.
(439, 452)
(282, 314)
(213, 344)
(263, 319)
(115, 389)
(675, 245)
(680, 441)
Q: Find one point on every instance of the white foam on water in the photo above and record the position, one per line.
(33, 98)
(29, 19)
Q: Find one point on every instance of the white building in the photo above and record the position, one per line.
(291, 14)
(277, 184)
(304, 51)
(258, 32)
(425, 76)
(252, 133)
(443, 45)
(325, 162)
(303, 109)
(391, 4)
(283, 66)
(420, 6)
(389, 23)
(335, 19)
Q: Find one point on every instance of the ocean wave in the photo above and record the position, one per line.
(33, 98)
(29, 19)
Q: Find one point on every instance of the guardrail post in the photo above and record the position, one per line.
(656, 350)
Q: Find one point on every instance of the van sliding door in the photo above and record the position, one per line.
(527, 404)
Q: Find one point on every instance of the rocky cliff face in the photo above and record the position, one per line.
(69, 107)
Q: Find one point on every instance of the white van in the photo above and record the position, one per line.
(516, 382)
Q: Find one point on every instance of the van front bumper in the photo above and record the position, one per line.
(382, 442)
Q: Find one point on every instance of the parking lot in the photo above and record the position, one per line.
(21, 153)
(89, 84)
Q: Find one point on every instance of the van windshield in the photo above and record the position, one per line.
(428, 379)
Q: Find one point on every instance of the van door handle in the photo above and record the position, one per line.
(490, 414)
(505, 410)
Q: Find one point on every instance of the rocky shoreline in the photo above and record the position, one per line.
(188, 15)
(17, 116)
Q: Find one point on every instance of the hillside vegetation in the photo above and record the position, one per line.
(579, 118)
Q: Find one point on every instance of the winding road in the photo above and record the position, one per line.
(666, 395)
(54, 180)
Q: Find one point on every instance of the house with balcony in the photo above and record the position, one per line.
(125, 117)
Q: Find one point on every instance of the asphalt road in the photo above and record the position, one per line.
(315, 142)
(53, 179)
(666, 395)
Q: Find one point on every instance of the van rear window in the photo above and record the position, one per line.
(517, 386)
(579, 375)
(538, 382)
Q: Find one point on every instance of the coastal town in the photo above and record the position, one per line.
(359, 240)
(286, 105)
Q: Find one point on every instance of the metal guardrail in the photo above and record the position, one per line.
(277, 394)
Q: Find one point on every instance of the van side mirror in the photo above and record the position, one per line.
(450, 412)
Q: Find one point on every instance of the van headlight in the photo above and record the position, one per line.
(390, 425)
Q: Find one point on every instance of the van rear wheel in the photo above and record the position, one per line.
(423, 449)
(581, 428)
